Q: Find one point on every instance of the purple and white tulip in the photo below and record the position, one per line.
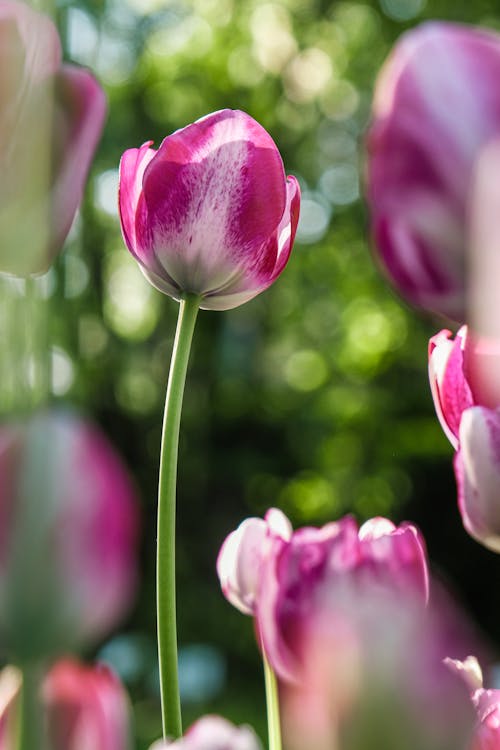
(68, 533)
(213, 733)
(44, 168)
(282, 577)
(436, 107)
(486, 702)
(210, 213)
(469, 411)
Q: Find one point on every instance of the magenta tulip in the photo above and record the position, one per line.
(436, 106)
(84, 708)
(469, 413)
(211, 212)
(67, 535)
(486, 703)
(280, 576)
(44, 168)
(213, 733)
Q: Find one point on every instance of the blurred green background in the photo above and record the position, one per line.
(314, 396)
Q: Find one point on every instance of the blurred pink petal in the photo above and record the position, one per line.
(213, 733)
(44, 168)
(211, 212)
(436, 105)
(477, 470)
(68, 534)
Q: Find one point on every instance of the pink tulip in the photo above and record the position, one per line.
(85, 708)
(213, 733)
(279, 577)
(469, 413)
(436, 106)
(486, 702)
(211, 212)
(68, 529)
(44, 168)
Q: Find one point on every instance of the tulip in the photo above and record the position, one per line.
(84, 707)
(486, 703)
(68, 527)
(436, 106)
(210, 213)
(469, 413)
(279, 577)
(213, 733)
(44, 168)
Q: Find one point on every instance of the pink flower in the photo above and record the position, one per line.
(469, 413)
(85, 707)
(68, 528)
(211, 212)
(436, 106)
(281, 577)
(486, 703)
(44, 168)
(213, 733)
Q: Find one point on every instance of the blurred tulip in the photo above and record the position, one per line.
(280, 576)
(68, 529)
(486, 703)
(85, 708)
(462, 398)
(211, 212)
(213, 733)
(44, 168)
(436, 106)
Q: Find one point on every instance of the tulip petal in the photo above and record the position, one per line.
(132, 166)
(214, 194)
(477, 471)
(79, 119)
(450, 390)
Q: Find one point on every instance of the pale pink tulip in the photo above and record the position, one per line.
(213, 733)
(84, 708)
(44, 168)
(486, 702)
(470, 416)
(436, 107)
(68, 535)
(211, 212)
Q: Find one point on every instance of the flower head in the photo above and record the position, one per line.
(44, 167)
(68, 528)
(436, 106)
(211, 212)
(213, 733)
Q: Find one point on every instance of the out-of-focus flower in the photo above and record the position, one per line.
(44, 167)
(211, 212)
(436, 106)
(213, 733)
(280, 576)
(470, 416)
(486, 703)
(68, 528)
(86, 708)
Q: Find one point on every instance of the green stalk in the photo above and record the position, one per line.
(165, 571)
(273, 707)
(29, 715)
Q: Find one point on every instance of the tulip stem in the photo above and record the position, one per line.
(165, 570)
(29, 720)
(273, 708)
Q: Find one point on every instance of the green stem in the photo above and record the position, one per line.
(165, 571)
(29, 718)
(273, 707)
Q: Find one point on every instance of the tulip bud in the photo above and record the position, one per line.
(68, 527)
(44, 167)
(211, 212)
(213, 733)
(436, 105)
(84, 707)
